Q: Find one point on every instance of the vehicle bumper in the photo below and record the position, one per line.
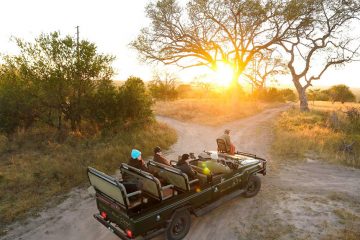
(113, 229)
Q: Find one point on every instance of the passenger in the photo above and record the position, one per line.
(184, 166)
(136, 160)
(129, 181)
(158, 157)
(230, 148)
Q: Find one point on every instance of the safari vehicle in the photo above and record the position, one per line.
(167, 198)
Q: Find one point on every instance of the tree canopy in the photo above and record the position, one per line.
(55, 81)
(312, 35)
(203, 33)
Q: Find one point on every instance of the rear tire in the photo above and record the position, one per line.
(179, 225)
(253, 186)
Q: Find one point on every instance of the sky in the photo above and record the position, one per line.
(112, 25)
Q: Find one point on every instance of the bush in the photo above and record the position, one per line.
(135, 101)
(341, 93)
(288, 94)
(3, 143)
(353, 117)
(163, 87)
(271, 95)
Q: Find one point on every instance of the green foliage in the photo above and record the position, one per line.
(353, 119)
(341, 93)
(288, 94)
(54, 81)
(329, 135)
(162, 91)
(163, 86)
(35, 168)
(19, 107)
(338, 93)
(274, 95)
(135, 101)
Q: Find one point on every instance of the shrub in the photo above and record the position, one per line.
(341, 93)
(3, 143)
(135, 102)
(269, 95)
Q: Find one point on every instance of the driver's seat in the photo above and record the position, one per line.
(221, 145)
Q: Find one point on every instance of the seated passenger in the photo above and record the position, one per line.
(184, 166)
(136, 160)
(129, 181)
(230, 148)
(158, 157)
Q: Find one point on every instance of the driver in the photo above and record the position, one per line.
(230, 148)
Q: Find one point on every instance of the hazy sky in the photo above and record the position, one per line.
(111, 24)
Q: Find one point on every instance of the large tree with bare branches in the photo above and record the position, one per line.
(265, 65)
(204, 32)
(320, 37)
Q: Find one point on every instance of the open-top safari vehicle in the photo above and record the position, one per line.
(167, 198)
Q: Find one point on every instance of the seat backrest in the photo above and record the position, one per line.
(221, 145)
(148, 183)
(108, 185)
(172, 175)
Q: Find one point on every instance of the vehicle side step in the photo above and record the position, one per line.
(202, 211)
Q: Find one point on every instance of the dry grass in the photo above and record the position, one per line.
(34, 168)
(310, 135)
(329, 106)
(212, 111)
(350, 225)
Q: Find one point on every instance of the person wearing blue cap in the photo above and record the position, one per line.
(137, 161)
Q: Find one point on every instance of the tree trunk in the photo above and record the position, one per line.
(235, 88)
(304, 106)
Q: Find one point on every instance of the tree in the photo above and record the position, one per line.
(341, 93)
(51, 81)
(18, 107)
(318, 39)
(163, 86)
(135, 101)
(266, 64)
(61, 73)
(206, 32)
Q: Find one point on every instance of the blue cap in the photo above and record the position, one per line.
(135, 153)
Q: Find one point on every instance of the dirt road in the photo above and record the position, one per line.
(309, 200)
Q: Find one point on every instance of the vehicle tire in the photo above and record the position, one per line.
(179, 225)
(253, 186)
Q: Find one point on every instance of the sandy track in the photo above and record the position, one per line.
(296, 202)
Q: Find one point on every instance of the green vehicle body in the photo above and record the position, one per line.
(153, 217)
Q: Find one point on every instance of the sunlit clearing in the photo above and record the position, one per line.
(223, 75)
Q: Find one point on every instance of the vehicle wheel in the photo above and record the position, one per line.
(179, 225)
(253, 186)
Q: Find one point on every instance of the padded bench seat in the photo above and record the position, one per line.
(148, 183)
(112, 188)
(172, 175)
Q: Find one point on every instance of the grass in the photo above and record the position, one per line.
(301, 135)
(212, 111)
(350, 225)
(34, 167)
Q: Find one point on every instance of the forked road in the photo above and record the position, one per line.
(295, 202)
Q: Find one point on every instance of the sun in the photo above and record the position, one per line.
(223, 75)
